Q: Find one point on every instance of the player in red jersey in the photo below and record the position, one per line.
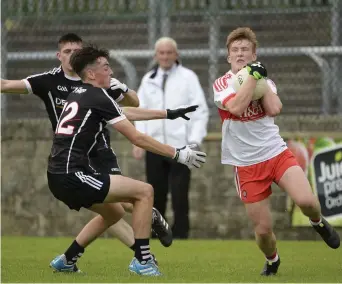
(252, 144)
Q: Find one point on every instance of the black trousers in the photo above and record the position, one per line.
(165, 175)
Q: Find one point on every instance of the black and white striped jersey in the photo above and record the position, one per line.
(86, 112)
(53, 88)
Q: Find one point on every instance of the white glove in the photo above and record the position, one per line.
(116, 84)
(189, 157)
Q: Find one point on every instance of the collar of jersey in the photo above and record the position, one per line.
(72, 78)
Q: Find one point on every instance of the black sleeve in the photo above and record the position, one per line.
(115, 94)
(38, 84)
(107, 108)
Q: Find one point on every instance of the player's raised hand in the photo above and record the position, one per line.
(257, 70)
(189, 157)
(115, 84)
(180, 112)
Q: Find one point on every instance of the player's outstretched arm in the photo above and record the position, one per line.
(130, 99)
(135, 114)
(13, 87)
(183, 155)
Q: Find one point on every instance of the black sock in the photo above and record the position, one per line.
(142, 250)
(74, 252)
(132, 247)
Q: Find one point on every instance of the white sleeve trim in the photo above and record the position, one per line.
(28, 86)
(120, 98)
(112, 100)
(116, 119)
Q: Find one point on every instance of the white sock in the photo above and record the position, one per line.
(316, 223)
(273, 259)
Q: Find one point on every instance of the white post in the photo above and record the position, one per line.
(336, 40)
(4, 60)
(165, 17)
(214, 32)
(152, 22)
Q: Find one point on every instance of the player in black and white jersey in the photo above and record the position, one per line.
(88, 109)
(52, 88)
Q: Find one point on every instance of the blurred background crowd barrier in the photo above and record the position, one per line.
(300, 42)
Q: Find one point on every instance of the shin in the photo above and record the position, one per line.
(259, 213)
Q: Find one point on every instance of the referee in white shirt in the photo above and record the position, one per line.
(170, 85)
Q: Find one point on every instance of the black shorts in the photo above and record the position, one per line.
(79, 189)
(104, 161)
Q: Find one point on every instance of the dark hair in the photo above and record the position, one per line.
(70, 37)
(86, 56)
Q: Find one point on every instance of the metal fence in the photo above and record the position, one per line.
(300, 42)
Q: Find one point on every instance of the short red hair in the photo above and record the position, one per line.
(240, 34)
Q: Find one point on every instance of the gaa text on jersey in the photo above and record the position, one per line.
(62, 88)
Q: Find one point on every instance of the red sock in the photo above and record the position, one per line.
(274, 257)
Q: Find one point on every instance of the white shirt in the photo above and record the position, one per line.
(251, 138)
(182, 89)
(161, 73)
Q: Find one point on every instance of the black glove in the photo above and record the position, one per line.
(257, 70)
(180, 112)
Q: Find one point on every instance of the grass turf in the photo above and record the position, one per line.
(26, 259)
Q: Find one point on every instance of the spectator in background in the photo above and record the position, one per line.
(166, 86)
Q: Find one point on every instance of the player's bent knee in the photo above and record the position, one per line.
(307, 202)
(145, 191)
(148, 191)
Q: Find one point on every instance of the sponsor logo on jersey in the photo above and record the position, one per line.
(60, 102)
(79, 90)
(254, 111)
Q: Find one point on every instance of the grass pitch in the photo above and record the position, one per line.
(26, 259)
